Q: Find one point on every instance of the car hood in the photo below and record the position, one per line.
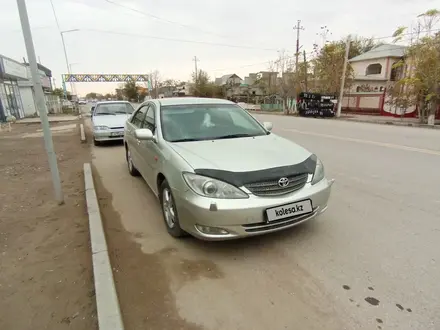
(111, 120)
(241, 154)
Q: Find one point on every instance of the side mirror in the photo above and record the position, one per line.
(268, 125)
(144, 134)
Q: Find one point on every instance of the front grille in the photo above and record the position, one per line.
(265, 226)
(272, 188)
(118, 128)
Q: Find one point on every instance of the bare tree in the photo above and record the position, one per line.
(156, 83)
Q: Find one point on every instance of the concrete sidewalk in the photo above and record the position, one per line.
(52, 119)
(385, 120)
(382, 120)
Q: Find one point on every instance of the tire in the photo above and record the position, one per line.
(131, 168)
(169, 211)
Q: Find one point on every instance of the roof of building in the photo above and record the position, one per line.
(41, 67)
(387, 50)
(191, 100)
(223, 79)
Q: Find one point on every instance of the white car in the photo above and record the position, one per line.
(109, 119)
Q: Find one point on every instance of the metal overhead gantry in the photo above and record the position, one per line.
(107, 77)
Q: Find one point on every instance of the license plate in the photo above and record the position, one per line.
(117, 134)
(289, 210)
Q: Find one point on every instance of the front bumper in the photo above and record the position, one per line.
(238, 218)
(108, 135)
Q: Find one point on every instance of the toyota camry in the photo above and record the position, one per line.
(219, 173)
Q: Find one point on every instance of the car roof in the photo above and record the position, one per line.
(111, 102)
(191, 100)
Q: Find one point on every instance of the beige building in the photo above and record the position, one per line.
(373, 72)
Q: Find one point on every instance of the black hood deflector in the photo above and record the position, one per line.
(239, 179)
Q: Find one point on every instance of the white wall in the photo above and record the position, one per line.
(27, 98)
(360, 68)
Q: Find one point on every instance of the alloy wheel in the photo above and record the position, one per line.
(168, 208)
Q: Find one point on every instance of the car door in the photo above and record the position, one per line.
(148, 149)
(133, 143)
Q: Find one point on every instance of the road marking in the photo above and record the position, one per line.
(381, 144)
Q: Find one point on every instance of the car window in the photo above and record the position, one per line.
(195, 122)
(240, 120)
(149, 120)
(139, 116)
(113, 109)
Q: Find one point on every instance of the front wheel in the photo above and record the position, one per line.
(169, 211)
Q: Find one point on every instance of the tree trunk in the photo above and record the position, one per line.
(431, 113)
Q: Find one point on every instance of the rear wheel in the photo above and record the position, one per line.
(169, 211)
(131, 168)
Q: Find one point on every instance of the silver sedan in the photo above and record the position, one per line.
(108, 120)
(219, 173)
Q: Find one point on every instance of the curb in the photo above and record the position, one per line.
(109, 312)
(378, 122)
(276, 113)
(82, 133)
(391, 123)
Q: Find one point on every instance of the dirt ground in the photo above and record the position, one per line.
(145, 304)
(45, 263)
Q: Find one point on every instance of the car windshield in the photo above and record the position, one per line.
(113, 109)
(199, 122)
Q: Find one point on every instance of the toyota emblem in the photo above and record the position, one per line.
(283, 182)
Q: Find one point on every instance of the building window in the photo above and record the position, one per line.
(396, 71)
(375, 68)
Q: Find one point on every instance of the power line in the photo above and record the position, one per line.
(176, 39)
(164, 19)
(404, 34)
(259, 63)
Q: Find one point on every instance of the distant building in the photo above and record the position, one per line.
(373, 74)
(183, 89)
(228, 79)
(373, 69)
(16, 89)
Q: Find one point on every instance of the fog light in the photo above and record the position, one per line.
(211, 230)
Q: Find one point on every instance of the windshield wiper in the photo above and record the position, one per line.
(126, 112)
(105, 113)
(232, 136)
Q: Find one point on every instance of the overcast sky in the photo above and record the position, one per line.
(262, 26)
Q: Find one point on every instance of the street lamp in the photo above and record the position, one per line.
(65, 51)
(71, 71)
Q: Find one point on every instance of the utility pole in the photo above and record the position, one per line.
(344, 70)
(305, 70)
(41, 104)
(298, 28)
(195, 64)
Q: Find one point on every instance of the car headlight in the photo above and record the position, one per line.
(319, 172)
(100, 128)
(213, 188)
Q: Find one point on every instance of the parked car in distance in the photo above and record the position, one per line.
(108, 120)
(218, 172)
(82, 102)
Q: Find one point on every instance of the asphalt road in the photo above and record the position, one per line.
(370, 262)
